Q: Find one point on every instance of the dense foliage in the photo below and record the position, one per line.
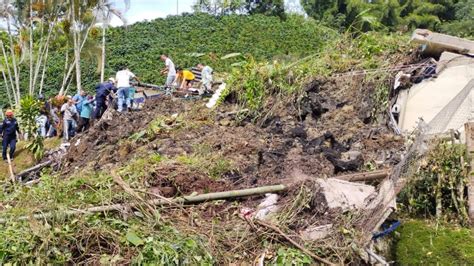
(190, 39)
(453, 16)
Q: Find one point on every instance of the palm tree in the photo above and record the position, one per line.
(106, 11)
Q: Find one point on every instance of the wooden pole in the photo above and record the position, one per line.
(157, 202)
(12, 175)
(469, 130)
(366, 176)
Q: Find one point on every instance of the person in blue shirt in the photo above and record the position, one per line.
(86, 113)
(8, 130)
(103, 90)
(78, 98)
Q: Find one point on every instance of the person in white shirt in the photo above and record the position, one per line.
(69, 113)
(169, 70)
(123, 78)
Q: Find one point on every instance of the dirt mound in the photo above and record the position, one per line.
(324, 132)
(99, 145)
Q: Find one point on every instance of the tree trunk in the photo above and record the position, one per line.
(42, 50)
(15, 67)
(66, 72)
(72, 66)
(77, 50)
(102, 67)
(44, 70)
(15, 97)
(31, 50)
(7, 88)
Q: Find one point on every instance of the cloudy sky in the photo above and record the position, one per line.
(150, 9)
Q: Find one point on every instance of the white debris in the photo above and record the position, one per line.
(267, 207)
(77, 142)
(344, 194)
(215, 97)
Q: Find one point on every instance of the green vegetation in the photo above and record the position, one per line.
(256, 84)
(421, 243)
(188, 39)
(453, 16)
(24, 157)
(439, 187)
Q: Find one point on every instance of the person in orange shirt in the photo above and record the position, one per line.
(184, 78)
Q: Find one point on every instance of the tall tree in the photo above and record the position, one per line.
(80, 13)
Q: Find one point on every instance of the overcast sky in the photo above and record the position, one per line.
(150, 9)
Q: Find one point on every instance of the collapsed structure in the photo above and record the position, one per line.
(441, 94)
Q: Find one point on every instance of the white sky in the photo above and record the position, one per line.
(150, 9)
(141, 10)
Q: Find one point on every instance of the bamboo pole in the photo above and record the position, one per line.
(156, 202)
(366, 176)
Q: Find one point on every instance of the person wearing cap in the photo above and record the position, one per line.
(102, 91)
(123, 78)
(9, 130)
(69, 112)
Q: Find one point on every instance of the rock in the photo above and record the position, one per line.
(342, 194)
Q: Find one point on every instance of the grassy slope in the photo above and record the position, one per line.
(24, 159)
(422, 243)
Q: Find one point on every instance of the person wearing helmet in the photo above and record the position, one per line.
(9, 130)
(102, 91)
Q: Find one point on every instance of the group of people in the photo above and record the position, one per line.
(67, 115)
(184, 79)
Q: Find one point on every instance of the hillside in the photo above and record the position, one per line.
(194, 38)
(301, 123)
(300, 162)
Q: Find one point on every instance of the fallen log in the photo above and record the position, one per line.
(156, 202)
(366, 176)
(34, 168)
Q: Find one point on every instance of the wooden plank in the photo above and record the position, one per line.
(469, 130)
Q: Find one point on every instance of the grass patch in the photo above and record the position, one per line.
(423, 243)
(24, 158)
